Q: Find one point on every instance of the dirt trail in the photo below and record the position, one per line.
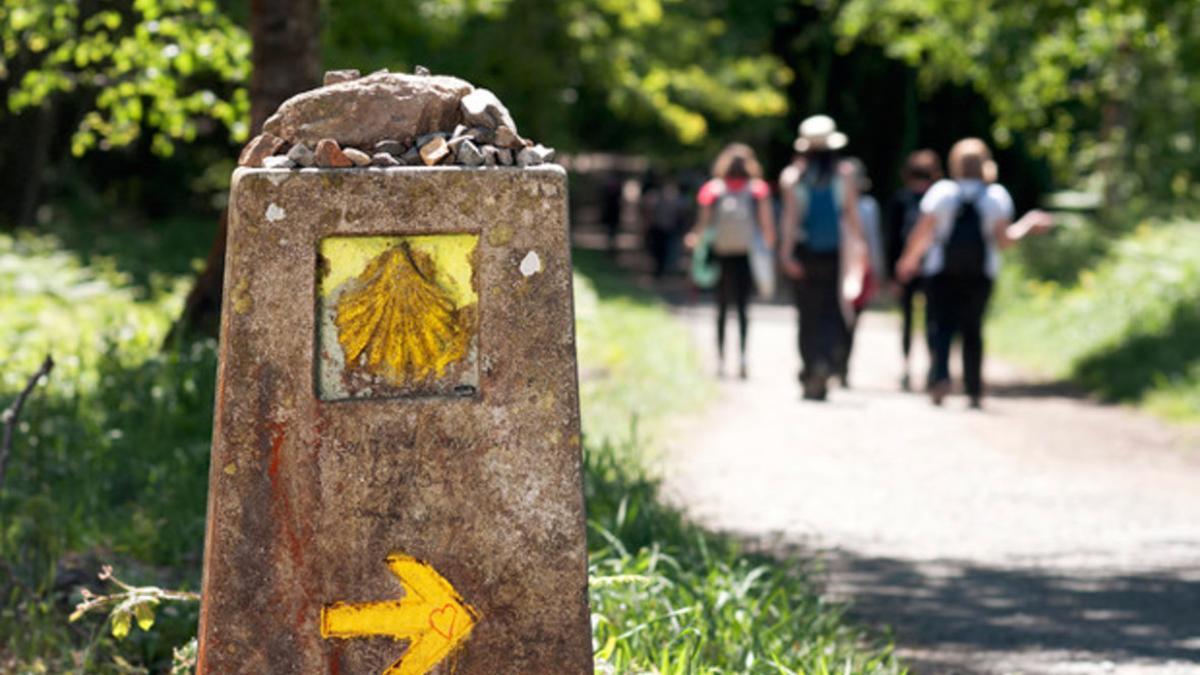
(1045, 534)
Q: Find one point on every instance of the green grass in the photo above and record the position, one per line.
(1126, 328)
(111, 466)
(112, 453)
(666, 595)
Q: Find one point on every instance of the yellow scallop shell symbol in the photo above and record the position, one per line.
(397, 322)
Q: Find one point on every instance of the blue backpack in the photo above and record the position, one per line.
(820, 202)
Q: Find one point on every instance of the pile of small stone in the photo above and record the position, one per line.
(485, 135)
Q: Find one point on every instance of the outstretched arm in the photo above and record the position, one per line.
(918, 243)
(1035, 222)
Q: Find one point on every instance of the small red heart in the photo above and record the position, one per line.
(442, 620)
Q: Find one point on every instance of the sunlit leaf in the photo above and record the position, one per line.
(122, 620)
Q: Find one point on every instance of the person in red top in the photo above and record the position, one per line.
(735, 207)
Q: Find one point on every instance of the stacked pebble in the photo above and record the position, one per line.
(491, 140)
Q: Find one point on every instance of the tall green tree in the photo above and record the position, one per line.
(109, 73)
(1103, 88)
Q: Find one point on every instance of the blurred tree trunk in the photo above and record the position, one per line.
(27, 142)
(287, 60)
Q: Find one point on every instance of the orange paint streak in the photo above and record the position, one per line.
(278, 434)
(335, 660)
(283, 511)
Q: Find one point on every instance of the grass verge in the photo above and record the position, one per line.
(111, 466)
(1125, 327)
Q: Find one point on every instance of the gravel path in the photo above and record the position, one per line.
(1045, 534)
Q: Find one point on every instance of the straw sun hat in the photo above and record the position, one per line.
(819, 132)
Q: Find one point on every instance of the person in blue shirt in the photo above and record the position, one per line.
(822, 248)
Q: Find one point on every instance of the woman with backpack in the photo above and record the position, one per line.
(822, 249)
(964, 223)
(735, 207)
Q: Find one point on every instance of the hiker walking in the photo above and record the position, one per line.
(869, 217)
(955, 246)
(663, 210)
(921, 170)
(735, 207)
(822, 248)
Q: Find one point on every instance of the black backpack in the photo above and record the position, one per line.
(965, 249)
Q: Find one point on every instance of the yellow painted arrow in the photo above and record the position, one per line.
(431, 616)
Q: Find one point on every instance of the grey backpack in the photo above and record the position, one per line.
(733, 221)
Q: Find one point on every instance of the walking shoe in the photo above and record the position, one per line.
(816, 384)
(976, 403)
(905, 383)
(743, 371)
(816, 390)
(938, 391)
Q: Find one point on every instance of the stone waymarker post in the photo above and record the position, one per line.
(395, 481)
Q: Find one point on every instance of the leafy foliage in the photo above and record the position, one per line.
(113, 448)
(128, 605)
(615, 73)
(1125, 327)
(1101, 87)
(169, 67)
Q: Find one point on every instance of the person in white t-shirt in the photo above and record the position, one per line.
(955, 246)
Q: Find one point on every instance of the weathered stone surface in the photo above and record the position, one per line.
(365, 111)
(504, 156)
(411, 157)
(434, 151)
(278, 162)
(482, 108)
(384, 159)
(336, 76)
(329, 155)
(482, 136)
(507, 138)
(424, 139)
(259, 148)
(390, 146)
(302, 155)
(489, 155)
(468, 154)
(533, 156)
(308, 497)
(357, 156)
